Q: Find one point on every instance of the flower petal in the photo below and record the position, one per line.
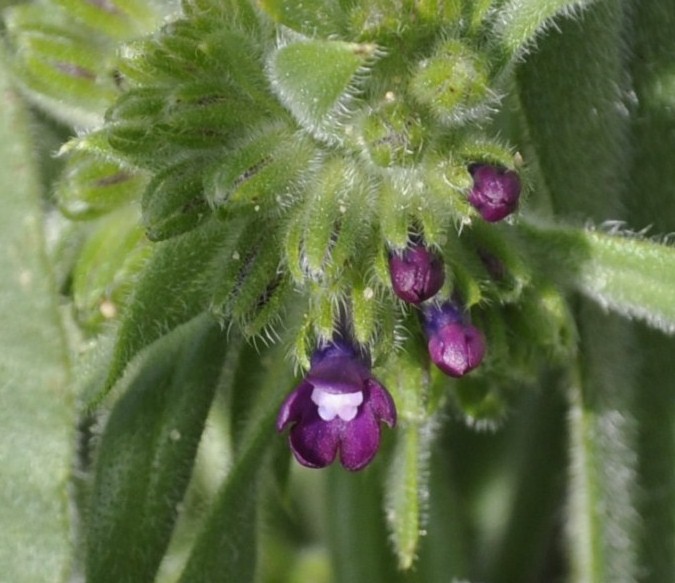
(379, 401)
(314, 441)
(296, 406)
(337, 374)
(360, 440)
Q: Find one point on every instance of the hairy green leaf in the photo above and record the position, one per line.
(146, 453)
(174, 287)
(632, 276)
(226, 547)
(36, 405)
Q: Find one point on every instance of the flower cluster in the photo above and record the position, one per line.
(339, 405)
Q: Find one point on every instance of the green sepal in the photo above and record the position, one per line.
(406, 376)
(310, 17)
(497, 248)
(233, 12)
(392, 132)
(448, 182)
(481, 402)
(105, 271)
(89, 187)
(262, 173)
(321, 209)
(59, 65)
(317, 80)
(119, 19)
(154, 125)
(187, 50)
(542, 325)
(366, 302)
(174, 201)
(394, 213)
(453, 83)
(468, 275)
(147, 451)
(250, 288)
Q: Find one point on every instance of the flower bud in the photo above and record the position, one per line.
(455, 346)
(495, 191)
(416, 274)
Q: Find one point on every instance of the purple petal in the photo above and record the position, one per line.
(457, 349)
(495, 192)
(416, 274)
(360, 440)
(379, 401)
(314, 441)
(337, 374)
(297, 405)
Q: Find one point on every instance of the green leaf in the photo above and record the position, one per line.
(603, 470)
(89, 186)
(571, 103)
(357, 536)
(174, 287)
(650, 201)
(226, 547)
(518, 22)
(36, 404)
(316, 80)
(146, 453)
(632, 276)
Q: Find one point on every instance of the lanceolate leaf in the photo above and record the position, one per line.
(226, 547)
(147, 451)
(36, 407)
(174, 287)
(579, 138)
(519, 22)
(632, 276)
(650, 201)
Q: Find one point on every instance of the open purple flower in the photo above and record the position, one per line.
(337, 407)
(495, 191)
(455, 346)
(416, 274)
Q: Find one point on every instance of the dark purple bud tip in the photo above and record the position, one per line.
(455, 346)
(416, 274)
(338, 407)
(495, 191)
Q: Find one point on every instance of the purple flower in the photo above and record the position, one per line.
(337, 407)
(416, 274)
(455, 346)
(495, 191)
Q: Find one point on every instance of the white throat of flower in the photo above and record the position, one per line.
(342, 405)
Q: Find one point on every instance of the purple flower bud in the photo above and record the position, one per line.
(455, 346)
(416, 274)
(337, 407)
(495, 191)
